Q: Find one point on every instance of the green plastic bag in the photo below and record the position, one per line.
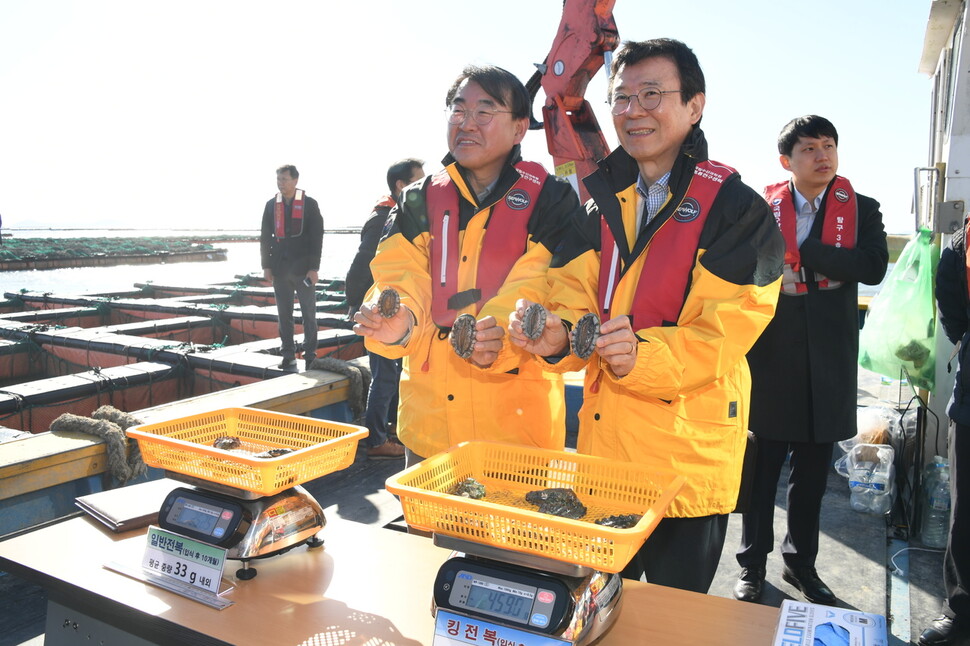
(900, 328)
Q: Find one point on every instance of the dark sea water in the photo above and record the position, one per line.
(242, 258)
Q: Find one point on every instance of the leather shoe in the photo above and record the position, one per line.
(807, 581)
(944, 631)
(387, 451)
(750, 583)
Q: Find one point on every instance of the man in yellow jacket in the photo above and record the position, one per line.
(472, 239)
(681, 262)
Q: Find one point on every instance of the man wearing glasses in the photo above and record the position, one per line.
(472, 239)
(681, 262)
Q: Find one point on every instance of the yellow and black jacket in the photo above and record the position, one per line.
(683, 409)
(443, 398)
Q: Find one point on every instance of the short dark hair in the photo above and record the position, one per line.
(500, 84)
(811, 125)
(402, 170)
(682, 56)
(289, 168)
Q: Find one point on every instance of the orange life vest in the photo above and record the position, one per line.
(839, 229)
(662, 285)
(296, 215)
(504, 242)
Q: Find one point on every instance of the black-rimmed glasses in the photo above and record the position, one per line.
(649, 98)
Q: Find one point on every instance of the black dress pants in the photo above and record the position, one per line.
(956, 563)
(810, 464)
(681, 553)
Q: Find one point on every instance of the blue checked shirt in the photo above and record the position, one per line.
(651, 199)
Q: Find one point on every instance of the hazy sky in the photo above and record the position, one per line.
(175, 114)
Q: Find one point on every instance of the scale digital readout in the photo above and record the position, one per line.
(204, 516)
(520, 597)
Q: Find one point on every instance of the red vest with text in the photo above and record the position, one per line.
(296, 216)
(671, 253)
(839, 229)
(504, 242)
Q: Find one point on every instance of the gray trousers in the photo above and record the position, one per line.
(284, 286)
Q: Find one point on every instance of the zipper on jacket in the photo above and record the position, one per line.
(444, 248)
(611, 284)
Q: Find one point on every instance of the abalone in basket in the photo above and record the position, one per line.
(227, 442)
(469, 488)
(463, 335)
(389, 302)
(273, 453)
(558, 502)
(584, 336)
(534, 321)
(620, 521)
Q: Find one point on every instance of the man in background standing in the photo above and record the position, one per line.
(385, 373)
(290, 245)
(953, 300)
(803, 368)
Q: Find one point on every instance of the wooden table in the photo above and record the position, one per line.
(367, 585)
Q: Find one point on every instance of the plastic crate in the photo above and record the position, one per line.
(505, 520)
(184, 446)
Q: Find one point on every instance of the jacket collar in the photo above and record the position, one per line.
(619, 170)
(506, 179)
(618, 173)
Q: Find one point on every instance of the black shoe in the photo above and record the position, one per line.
(289, 365)
(807, 581)
(749, 585)
(944, 631)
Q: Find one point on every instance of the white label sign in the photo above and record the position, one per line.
(183, 559)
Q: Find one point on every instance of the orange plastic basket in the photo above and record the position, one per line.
(504, 519)
(184, 446)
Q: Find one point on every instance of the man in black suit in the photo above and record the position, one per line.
(803, 368)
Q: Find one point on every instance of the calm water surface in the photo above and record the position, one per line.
(242, 258)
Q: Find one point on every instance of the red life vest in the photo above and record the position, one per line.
(383, 207)
(504, 241)
(296, 215)
(839, 229)
(662, 285)
(386, 201)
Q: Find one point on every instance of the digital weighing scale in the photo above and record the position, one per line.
(247, 525)
(539, 595)
(539, 577)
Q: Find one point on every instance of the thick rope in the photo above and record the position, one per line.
(123, 464)
(359, 377)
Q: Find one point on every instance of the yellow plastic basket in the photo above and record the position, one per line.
(504, 519)
(184, 446)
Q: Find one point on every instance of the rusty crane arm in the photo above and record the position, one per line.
(587, 36)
